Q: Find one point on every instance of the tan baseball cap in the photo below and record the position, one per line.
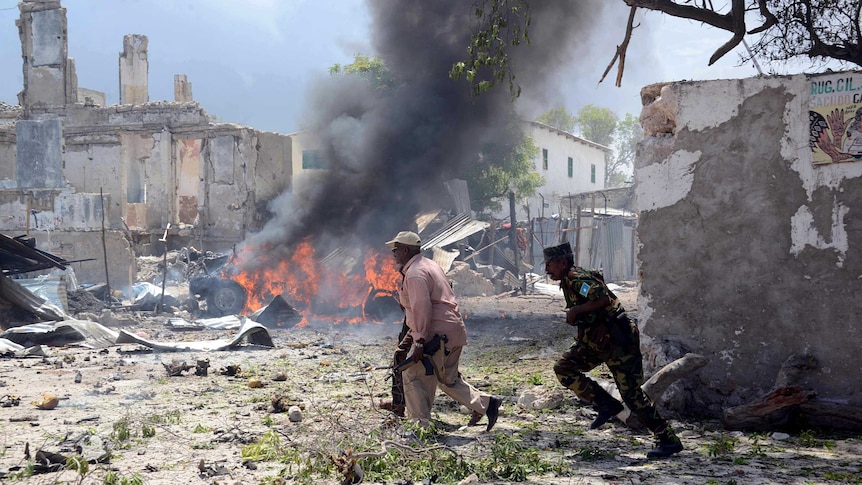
(406, 238)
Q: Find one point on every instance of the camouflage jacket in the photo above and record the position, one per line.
(582, 285)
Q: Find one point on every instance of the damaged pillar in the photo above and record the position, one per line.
(49, 79)
(134, 70)
(182, 89)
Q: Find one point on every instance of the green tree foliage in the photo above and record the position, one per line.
(497, 25)
(559, 118)
(505, 164)
(626, 137)
(370, 67)
(597, 124)
(777, 30)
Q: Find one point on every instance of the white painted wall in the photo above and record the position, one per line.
(560, 147)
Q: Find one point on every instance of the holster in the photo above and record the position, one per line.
(619, 328)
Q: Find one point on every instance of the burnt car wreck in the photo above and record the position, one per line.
(209, 280)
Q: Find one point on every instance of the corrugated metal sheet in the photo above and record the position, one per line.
(49, 288)
(455, 230)
(608, 248)
(605, 243)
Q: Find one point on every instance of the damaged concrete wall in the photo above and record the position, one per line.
(749, 251)
(42, 29)
(128, 153)
(227, 178)
(134, 70)
(182, 89)
(273, 175)
(39, 154)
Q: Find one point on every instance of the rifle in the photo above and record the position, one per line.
(431, 347)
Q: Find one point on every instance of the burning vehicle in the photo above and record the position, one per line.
(347, 285)
(209, 279)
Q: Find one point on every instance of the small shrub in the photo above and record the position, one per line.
(112, 478)
(121, 430)
(535, 379)
(722, 445)
(267, 448)
(147, 431)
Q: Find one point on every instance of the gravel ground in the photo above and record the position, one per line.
(119, 409)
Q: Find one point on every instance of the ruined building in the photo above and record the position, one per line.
(65, 155)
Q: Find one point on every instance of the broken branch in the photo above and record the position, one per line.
(621, 51)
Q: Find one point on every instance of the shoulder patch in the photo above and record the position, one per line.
(585, 289)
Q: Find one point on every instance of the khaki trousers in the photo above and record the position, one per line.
(420, 390)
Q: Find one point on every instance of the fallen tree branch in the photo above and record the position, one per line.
(775, 409)
(385, 448)
(349, 468)
(656, 385)
(791, 402)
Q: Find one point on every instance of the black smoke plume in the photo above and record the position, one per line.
(389, 151)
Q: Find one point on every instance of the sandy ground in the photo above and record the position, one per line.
(119, 408)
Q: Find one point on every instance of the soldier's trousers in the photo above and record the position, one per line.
(626, 365)
(401, 352)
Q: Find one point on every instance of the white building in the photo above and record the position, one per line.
(569, 164)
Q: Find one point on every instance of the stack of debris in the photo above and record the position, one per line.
(19, 255)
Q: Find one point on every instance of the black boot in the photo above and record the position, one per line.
(666, 446)
(607, 407)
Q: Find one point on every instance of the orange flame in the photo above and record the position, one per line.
(316, 289)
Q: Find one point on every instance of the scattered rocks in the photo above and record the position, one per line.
(540, 398)
(48, 401)
(294, 414)
(255, 383)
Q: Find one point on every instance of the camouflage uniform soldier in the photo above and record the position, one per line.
(605, 335)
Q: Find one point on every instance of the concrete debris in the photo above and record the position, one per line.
(467, 282)
(175, 368)
(540, 398)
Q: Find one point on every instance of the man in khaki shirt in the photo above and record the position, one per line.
(431, 309)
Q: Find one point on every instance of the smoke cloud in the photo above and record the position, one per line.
(389, 152)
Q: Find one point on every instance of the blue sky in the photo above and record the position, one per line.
(251, 61)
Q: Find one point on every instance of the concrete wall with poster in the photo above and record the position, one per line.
(835, 113)
(750, 246)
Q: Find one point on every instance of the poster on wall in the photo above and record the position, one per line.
(835, 118)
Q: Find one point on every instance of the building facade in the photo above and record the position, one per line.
(569, 164)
